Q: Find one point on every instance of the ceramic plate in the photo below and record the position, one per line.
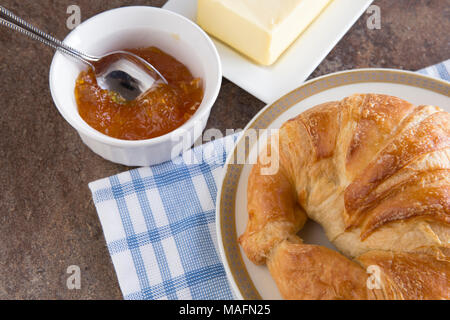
(297, 63)
(254, 282)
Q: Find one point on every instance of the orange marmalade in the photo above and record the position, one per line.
(160, 111)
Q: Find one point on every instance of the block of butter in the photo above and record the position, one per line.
(260, 29)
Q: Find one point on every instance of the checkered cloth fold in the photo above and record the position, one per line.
(159, 223)
(440, 70)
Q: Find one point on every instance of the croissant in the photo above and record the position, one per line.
(373, 171)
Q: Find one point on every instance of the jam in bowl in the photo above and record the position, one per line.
(156, 112)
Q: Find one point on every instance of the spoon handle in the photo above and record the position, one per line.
(10, 20)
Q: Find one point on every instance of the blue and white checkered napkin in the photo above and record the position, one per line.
(159, 223)
(440, 70)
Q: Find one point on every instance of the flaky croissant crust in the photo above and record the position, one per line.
(373, 170)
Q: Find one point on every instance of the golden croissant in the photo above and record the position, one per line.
(373, 170)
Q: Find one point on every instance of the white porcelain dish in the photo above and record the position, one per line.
(137, 27)
(297, 63)
(255, 282)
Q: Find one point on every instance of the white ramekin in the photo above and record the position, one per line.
(137, 27)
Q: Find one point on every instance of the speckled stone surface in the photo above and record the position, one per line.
(47, 219)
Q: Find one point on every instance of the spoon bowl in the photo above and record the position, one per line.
(126, 73)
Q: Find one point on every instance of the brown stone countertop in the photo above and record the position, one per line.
(47, 218)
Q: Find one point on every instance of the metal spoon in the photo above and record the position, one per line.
(119, 71)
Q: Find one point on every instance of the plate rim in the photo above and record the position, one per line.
(421, 81)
